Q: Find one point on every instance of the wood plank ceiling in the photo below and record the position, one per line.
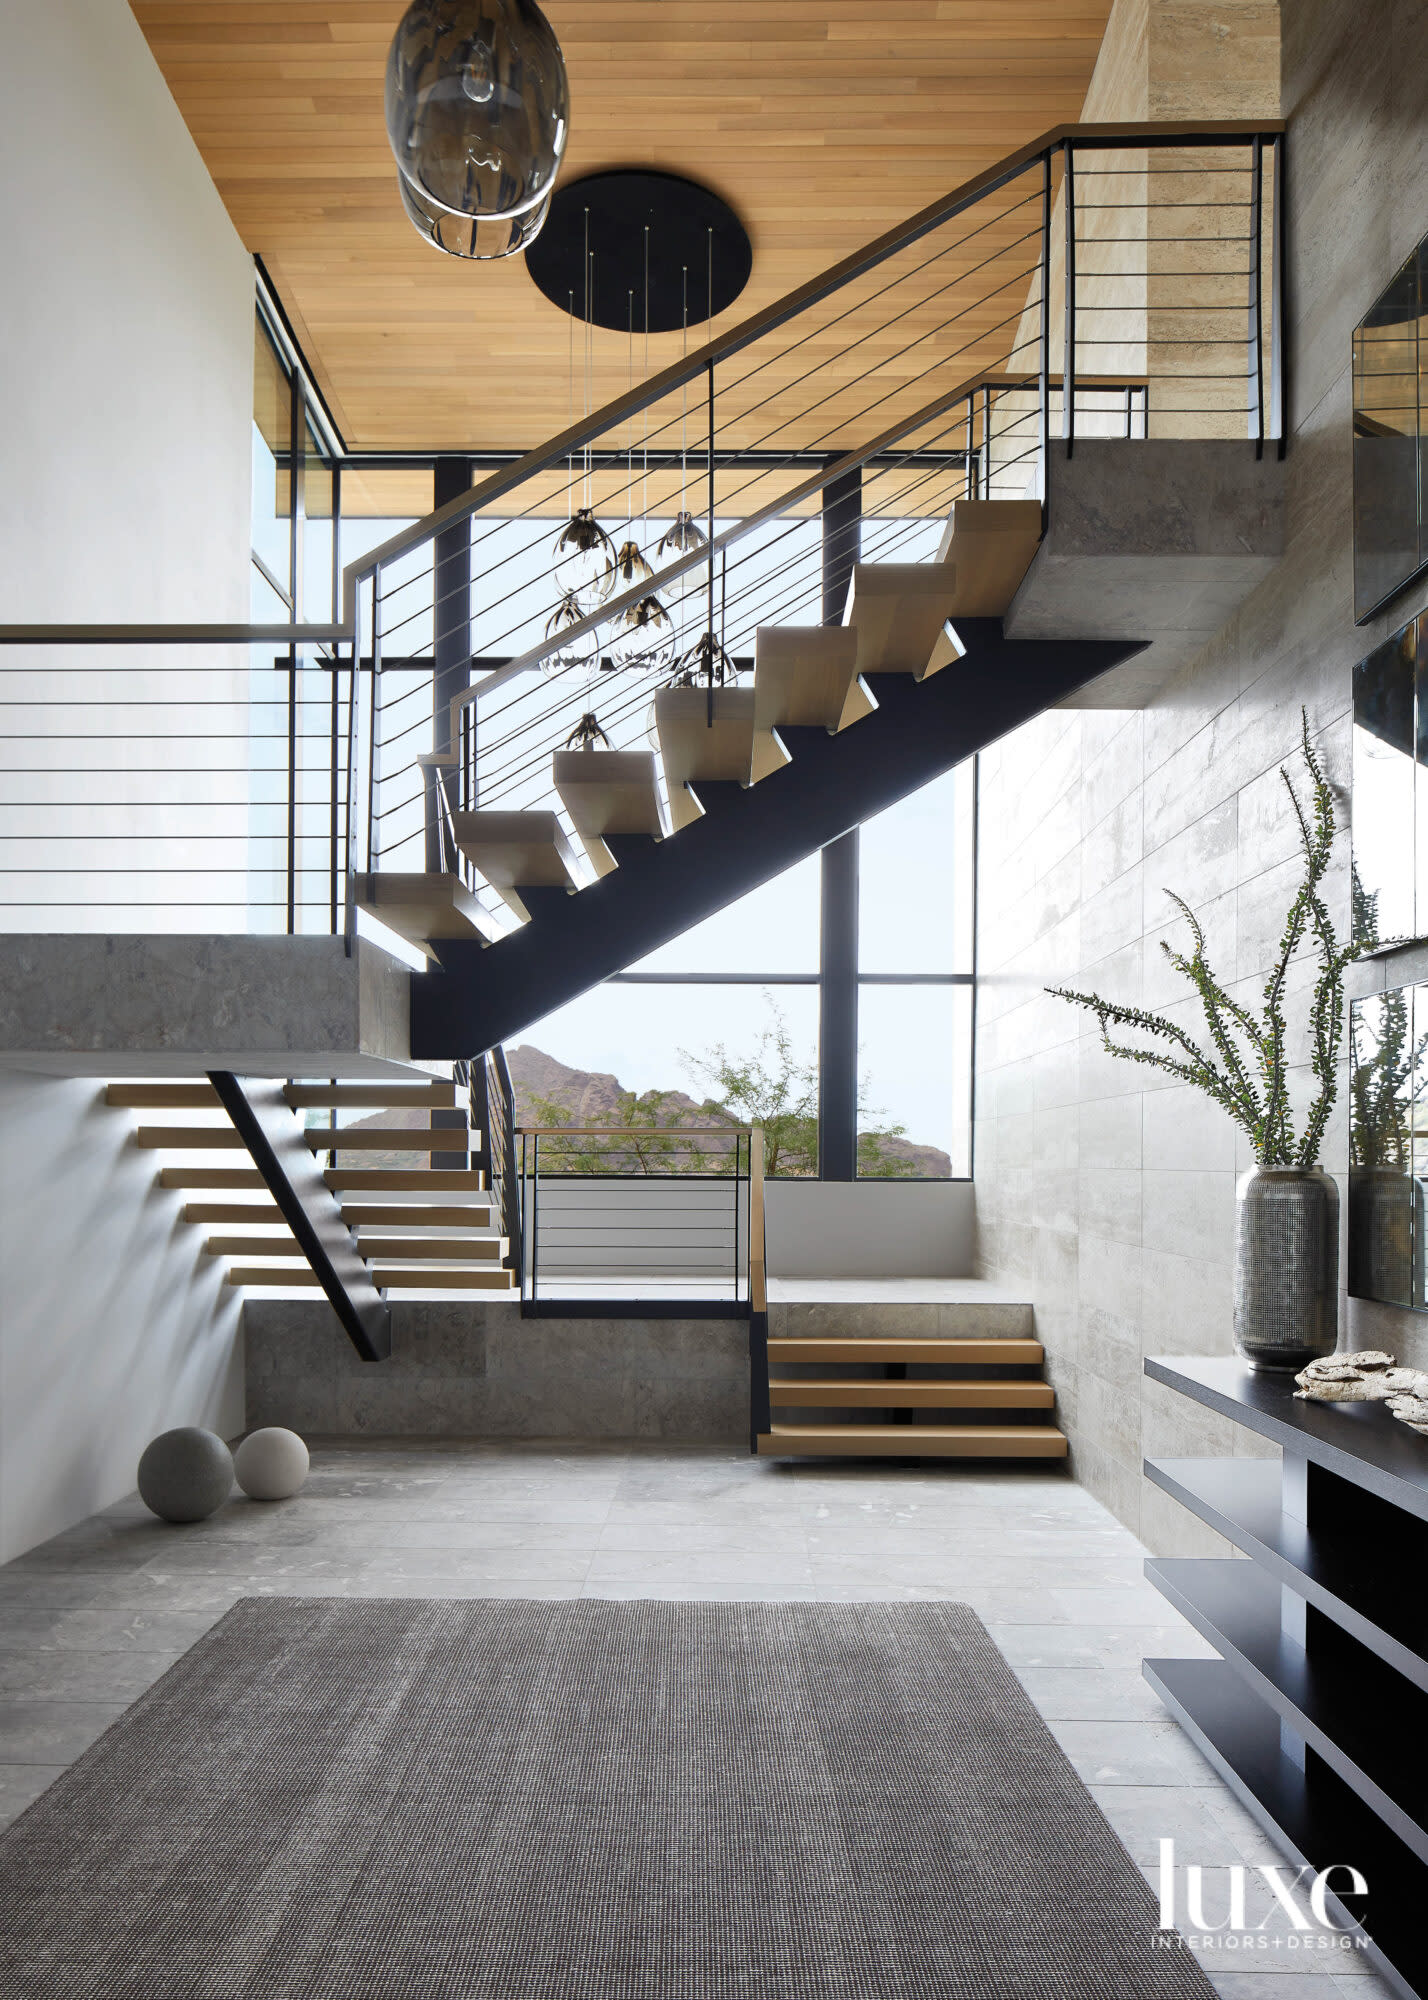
(823, 122)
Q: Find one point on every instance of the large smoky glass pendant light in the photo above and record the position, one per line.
(478, 113)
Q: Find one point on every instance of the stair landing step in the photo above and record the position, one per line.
(912, 1441)
(884, 1395)
(873, 1348)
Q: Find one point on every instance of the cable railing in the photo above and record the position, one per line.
(201, 788)
(1108, 282)
(615, 1212)
(1105, 281)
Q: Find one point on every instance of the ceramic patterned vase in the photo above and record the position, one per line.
(1286, 1267)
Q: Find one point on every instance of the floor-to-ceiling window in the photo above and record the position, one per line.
(739, 1010)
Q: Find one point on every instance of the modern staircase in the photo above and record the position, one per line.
(419, 1216)
(848, 1389)
(839, 722)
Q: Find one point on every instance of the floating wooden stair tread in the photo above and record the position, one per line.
(231, 1211)
(913, 1441)
(609, 791)
(692, 746)
(413, 1278)
(393, 1180)
(473, 1279)
(416, 1215)
(254, 1246)
(515, 850)
(473, 1249)
(272, 1274)
(991, 542)
(977, 1353)
(189, 1138)
(211, 1177)
(898, 1395)
(422, 907)
(163, 1096)
(803, 675)
(898, 611)
(391, 1139)
(438, 1095)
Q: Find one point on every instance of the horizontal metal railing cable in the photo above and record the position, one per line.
(1124, 253)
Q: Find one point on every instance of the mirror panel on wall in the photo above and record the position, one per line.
(1390, 475)
(1388, 1155)
(1390, 779)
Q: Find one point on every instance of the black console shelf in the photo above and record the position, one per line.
(1313, 1714)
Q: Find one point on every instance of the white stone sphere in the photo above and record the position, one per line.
(271, 1464)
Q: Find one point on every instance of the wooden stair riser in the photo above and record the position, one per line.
(931, 1352)
(898, 1395)
(912, 1441)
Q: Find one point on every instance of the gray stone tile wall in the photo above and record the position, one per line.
(1105, 1190)
(463, 1369)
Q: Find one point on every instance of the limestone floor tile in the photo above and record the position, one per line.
(1144, 1815)
(1091, 1694)
(723, 1567)
(21, 1785)
(1132, 1753)
(102, 1628)
(1275, 1985)
(545, 1565)
(104, 1677)
(1065, 1645)
(52, 1732)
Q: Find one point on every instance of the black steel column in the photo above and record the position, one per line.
(838, 934)
(842, 534)
(838, 1013)
(452, 633)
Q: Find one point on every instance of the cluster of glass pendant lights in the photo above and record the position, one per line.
(478, 113)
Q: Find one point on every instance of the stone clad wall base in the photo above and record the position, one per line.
(467, 1369)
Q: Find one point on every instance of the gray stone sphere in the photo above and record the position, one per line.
(185, 1474)
(271, 1464)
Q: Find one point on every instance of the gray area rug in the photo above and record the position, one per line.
(398, 1800)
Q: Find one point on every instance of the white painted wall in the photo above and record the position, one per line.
(126, 345)
(126, 336)
(126, 391)
(114, 1324)
(869, 1229)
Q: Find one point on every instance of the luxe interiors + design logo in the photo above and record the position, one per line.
(1300, 1894)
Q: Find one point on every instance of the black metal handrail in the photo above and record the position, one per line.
(1058, 141)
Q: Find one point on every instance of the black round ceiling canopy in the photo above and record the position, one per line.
(685, 224)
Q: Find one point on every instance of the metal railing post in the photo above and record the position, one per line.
(760, 1411)
(1255, 357)
(535, 1216)
(1279, 275)
(1043, 386)
(712, 654)
(292, 790)
(1068, 365)
(372, 851)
